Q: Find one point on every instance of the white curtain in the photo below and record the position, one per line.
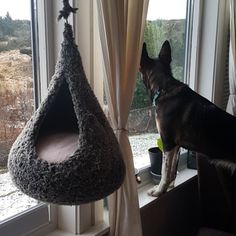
(231, 106)
(121, 26)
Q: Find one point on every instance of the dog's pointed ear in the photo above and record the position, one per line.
(144, 51)
(165, 53)
(144, 57)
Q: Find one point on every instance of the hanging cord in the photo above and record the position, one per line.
(67, 9)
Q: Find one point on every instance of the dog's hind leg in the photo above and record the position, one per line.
(168, 172)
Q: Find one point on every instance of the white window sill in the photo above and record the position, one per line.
(59, 233)
(182, 176)
(97, 230)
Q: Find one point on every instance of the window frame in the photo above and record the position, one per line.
(29, 221)
(209, 46)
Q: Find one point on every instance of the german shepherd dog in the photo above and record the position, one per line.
(185, 119)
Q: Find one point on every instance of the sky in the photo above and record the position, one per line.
(161, 9)
(18, 9)
(166, 9)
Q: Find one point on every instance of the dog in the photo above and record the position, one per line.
(185, 119)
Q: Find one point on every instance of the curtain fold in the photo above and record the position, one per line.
(231, 106)
(121, 26)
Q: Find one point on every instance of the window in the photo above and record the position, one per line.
(16, 97)
(163, 23)
(47, 35)
(81, 219)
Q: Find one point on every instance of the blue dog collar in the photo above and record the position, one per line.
(155, 97)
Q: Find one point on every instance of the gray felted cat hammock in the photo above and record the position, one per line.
(67, 153)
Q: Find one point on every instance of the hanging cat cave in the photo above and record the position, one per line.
(67, 153)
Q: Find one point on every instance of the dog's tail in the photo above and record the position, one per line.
(225, 164)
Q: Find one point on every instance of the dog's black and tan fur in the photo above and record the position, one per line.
(185, 119)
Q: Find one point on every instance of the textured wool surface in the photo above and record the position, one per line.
(96, 169)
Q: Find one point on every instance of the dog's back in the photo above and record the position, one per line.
(203, 127)
(185, 118)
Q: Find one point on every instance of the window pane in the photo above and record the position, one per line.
(166, 20)
(16, 95)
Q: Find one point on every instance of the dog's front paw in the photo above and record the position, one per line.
(156, 191)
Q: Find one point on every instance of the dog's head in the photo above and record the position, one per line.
(155, 70)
